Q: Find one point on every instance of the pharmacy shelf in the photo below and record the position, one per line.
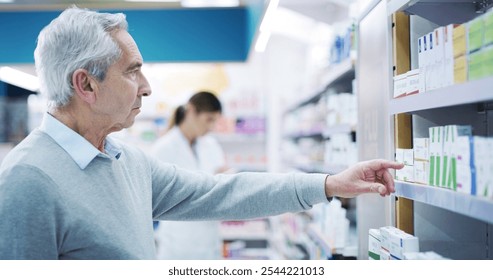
(245, 236)
(466, 93)
(326, 133)
(468, 205)
(441, 12)
(314, 232)
(336, 73)
(343, 128)
(238, 137)
(316, 134)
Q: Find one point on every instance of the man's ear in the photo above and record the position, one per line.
(84, 86)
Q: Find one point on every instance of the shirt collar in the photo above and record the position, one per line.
(81, 151)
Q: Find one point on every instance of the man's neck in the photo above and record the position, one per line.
(84, 126)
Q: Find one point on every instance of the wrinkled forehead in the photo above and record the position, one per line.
(130, 50)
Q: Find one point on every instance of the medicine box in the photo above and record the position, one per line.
(374, 238)
(475, 33)
(436, 151)
(385, 233)
(465, 166)
(408, 156)
(488, 28)
(414, 84)
(448, 55)
(421, 148)
(421, 170)
(475, 66)
(400, 85)
(459, 40)
(401, 243)
(487, 60)
(405, 174)
(460, 69)
(449, 156)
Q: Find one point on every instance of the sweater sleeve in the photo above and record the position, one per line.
(30, 214)
(179, 194)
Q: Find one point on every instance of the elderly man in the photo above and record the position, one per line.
(69, 191)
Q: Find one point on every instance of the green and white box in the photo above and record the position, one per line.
(374, 238)
(436, 152)
(449, 163)
(465, 166)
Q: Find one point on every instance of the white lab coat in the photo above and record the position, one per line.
(189, 240)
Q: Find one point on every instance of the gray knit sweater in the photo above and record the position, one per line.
(51, 208)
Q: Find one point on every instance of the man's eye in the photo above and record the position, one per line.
(133, 73)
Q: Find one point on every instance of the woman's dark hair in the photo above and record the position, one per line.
(203, 101)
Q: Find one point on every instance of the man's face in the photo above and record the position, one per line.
(120, 94)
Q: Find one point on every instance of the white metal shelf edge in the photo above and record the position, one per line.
(469, 205)
(467, 93)
(397, 5)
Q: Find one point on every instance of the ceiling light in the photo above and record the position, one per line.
(265, 28)
(18, 78)
(262, 40)
(269, 15)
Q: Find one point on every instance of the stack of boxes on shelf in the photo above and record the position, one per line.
(480, 46)
(390, 243)
(303, 128)
(405, 156)
(343, 46)
(421, 164)
(450, 158)
(334, 223)
(450, 55)
(342, 108)
(340, 146)
(329, 229)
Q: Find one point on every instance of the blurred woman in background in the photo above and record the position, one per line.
(187, 145)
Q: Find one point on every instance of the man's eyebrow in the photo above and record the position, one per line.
(134, 65)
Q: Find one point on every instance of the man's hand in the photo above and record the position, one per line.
(371, 176)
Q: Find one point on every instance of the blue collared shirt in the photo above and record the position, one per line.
(81, 151)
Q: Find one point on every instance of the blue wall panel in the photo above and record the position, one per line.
(190, 34)
(18, 34)
(175, 35)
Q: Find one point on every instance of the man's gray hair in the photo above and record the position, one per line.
(76, 39)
